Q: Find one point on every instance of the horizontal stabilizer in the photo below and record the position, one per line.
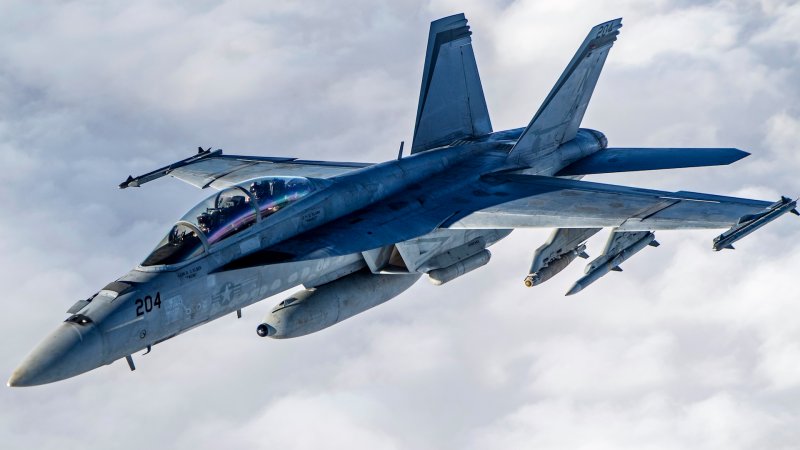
(611, 160)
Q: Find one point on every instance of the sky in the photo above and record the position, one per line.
(687, 348)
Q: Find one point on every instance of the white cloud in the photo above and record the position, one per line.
(686, 348)
(653, 422)
(300, 422)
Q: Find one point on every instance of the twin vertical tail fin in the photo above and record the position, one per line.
(559, 117)
(451, 101)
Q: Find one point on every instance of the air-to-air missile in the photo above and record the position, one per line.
(620, 247)
(749, 223)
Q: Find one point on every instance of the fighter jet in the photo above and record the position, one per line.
(355, 235)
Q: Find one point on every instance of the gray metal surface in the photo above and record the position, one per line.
(610, 160)
(451, 102)
(214, 169)
(311, 310)
(544, 202)
(563, 246)
(620, 247)
(559, 117)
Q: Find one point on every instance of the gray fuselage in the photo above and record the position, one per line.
(150, 304)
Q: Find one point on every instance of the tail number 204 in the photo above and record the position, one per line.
(147, 304)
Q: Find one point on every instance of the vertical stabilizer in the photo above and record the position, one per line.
(559, 117)
(451, 101)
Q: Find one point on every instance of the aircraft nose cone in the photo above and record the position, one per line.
(70, 350)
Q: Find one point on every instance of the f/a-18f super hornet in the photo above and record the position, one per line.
(355, 235)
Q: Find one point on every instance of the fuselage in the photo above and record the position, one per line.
(155, 302)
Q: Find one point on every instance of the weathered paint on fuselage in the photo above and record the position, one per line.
(165, 301)
(190, 296)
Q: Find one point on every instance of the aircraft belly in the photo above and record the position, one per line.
(186, 304)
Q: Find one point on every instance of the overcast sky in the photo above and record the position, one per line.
(686, 348)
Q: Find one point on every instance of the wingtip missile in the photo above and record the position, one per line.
(751, 222)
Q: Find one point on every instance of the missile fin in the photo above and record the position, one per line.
(616, 269)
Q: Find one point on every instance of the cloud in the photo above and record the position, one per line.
(686, 348)
(654, 422)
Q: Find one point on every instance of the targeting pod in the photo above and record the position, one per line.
(560, 249)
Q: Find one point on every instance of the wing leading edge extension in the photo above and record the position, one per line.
(212, 168)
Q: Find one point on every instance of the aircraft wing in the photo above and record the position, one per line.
(539, 202)
(505, 201)
(212, 168)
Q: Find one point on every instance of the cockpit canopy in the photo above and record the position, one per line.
(226, 213)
